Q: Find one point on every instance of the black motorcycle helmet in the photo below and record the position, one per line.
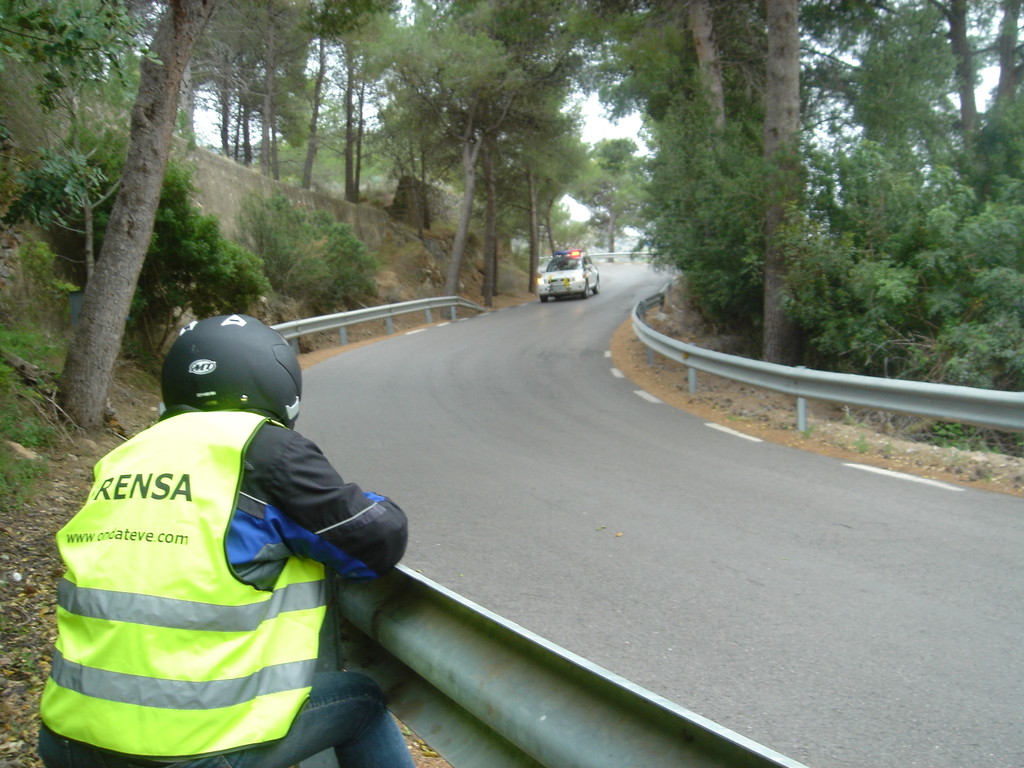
(232, 363)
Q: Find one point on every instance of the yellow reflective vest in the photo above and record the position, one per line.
(162, 651)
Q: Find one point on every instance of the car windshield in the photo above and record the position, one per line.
(559, 263)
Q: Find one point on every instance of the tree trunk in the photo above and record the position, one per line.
(1009, 74)
(470, 151)
(423, 220)
(90, 240)
(490, 227)
(531, 277)
(269, 85)
(246, 137)
(351, 193)
(188, 99)
(275, 168)
(89, 367)
(318, 90)
(360, 131)
(224, 97)
(707, 55)
(471, 143)
(781, 343)
(958, 38)
(547, 225)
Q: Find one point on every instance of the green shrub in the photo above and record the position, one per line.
(309, 256)
(36, 294)
(906, 275)
(28, 417)
(705, 205)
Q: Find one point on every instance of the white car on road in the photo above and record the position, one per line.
(569, 273)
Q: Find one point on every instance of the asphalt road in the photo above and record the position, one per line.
(840, 617)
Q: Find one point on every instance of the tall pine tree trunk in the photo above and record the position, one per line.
(269, 89)
(314, 119)
(1009, 72)
(351, 190)
(781, 343)
(707, 55)
(224, 105)
(89, 367)
(961, 45)
(360, 133)
(531, 184)
(470, 151)
(472, 140)
(490, 226)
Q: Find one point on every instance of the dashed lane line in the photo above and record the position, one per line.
(646, 396)
(904, 476)
(733, 432)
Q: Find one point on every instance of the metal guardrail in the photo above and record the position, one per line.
(982, 407)
(293, 329)
(613, 256)
(483, 691)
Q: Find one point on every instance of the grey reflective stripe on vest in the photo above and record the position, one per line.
(179, 694)
(187, 614)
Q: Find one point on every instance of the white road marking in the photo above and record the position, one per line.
(646, 396)
(733, 432)
(904, 476)
(618, 374)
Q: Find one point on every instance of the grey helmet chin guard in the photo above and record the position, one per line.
(233, 363)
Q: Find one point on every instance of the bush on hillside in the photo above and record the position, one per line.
(29, 417)
(309, 256)
(923, 283)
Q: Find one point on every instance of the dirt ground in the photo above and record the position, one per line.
(30, 568)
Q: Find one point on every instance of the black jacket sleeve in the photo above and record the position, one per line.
(339, 521)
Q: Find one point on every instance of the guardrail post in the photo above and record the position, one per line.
(429, 317)
(343, 335)
(801, 409)
(390, 323)
(691, 377)
(454, 314)
(294, 343)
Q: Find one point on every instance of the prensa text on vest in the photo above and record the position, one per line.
(157, 487)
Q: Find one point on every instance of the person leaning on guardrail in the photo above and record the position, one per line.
(189, 616)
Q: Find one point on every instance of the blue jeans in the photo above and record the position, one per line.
(345, 711)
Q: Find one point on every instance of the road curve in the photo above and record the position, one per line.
(843, 618)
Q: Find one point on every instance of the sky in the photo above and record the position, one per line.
(596, 127)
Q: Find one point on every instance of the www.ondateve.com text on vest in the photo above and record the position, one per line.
(125, 534)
